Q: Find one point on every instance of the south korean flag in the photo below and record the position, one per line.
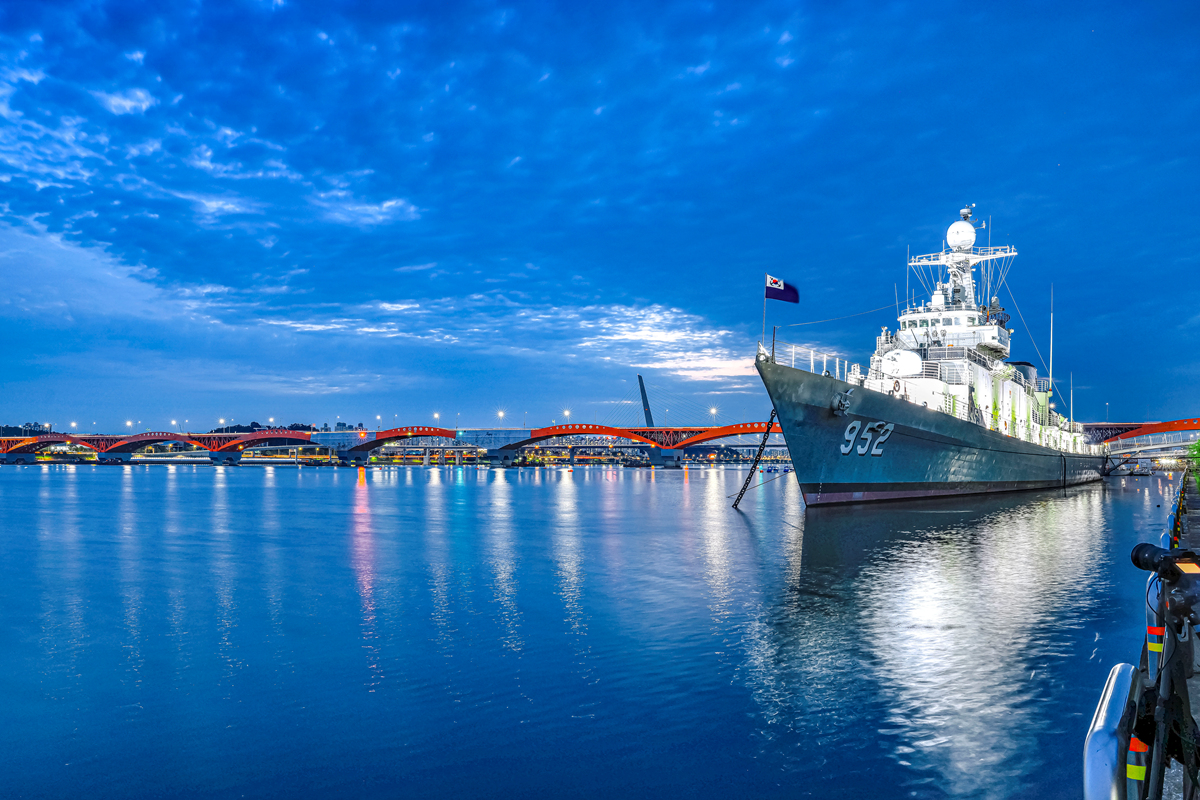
(778, 290)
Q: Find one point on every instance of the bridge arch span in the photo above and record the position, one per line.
(726, 431)
(22, 449)
(233, 443)
(580, 429)
(131, 444)
(397, 434)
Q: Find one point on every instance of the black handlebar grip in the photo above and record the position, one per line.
(1148, 557)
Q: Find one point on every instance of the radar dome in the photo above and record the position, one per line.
(961, 235)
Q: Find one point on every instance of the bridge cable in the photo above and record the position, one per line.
(757, 458)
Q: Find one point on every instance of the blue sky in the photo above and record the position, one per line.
(319, 210)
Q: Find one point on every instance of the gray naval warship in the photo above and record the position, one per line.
(940, 410)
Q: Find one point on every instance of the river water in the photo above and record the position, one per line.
(192, 631)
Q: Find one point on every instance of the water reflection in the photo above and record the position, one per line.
(222, 541)
(568, 556)
(936, 616)
(59, 566)
(897, 650)
(437, 554)
(129, 550)
(362, 560)
(503, 560)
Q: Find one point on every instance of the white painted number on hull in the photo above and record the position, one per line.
(868, 433)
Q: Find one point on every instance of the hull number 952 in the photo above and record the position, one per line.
(857, 434)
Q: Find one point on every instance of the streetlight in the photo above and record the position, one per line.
(500, 414)
(1105, 413)
(378, 425)
(72, 424)
(567, 414)
(271, 420)
(713, 411)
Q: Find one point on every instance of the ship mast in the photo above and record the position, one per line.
(1052, 338)
(956, 262)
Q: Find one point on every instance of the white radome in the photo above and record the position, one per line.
(961, 235)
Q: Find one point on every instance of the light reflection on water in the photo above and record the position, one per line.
(961, 620)
(600, 632)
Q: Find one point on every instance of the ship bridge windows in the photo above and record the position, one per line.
(970, 320)
(924, 323)
(946, 321)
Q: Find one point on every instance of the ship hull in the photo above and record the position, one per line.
(877, 447)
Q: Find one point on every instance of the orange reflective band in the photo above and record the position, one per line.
(1155, 646)
(1155, 631)
(1135, 772)
(1136, 745)
(1188, 567)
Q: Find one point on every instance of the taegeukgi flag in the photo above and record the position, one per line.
(778, 290)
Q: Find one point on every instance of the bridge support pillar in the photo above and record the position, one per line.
(571, 454)
(223, 459)
(354, 458)
(113, 458)
(425, 457)
(501, 458)
(671, 459)
(458, 458)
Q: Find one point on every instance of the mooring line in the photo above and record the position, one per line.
(755, 486)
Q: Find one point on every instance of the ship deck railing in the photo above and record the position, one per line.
(799, 356)
(933, 259)
(938, 364)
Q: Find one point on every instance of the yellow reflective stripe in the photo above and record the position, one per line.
(1135, 772)
(1155, 646)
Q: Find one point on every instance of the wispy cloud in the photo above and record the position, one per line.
(341, 206)
(131, 101)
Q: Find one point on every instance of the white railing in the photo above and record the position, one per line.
(1153, 440)
(939, 364)
(934, 259)
(959, 354)
(805, 358)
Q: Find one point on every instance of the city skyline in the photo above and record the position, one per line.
(291, 211)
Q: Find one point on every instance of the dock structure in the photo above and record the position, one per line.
(1183, 527)
(1184, 520)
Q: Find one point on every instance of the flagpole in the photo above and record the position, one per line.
(764, 330)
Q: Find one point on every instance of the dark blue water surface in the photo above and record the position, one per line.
(429, 632)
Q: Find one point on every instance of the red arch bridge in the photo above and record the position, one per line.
(666, 445)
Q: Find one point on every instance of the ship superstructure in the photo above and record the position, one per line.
(939, 388)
